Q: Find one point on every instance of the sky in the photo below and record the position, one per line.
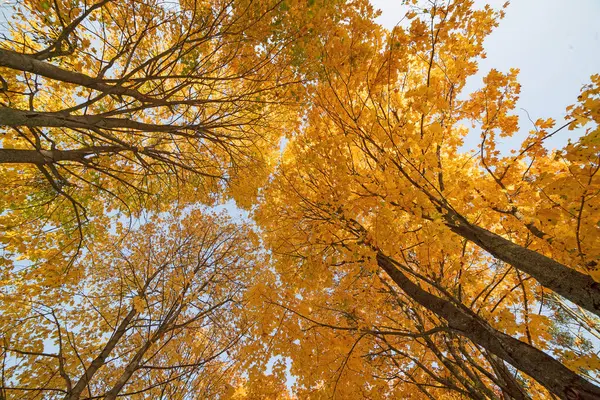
(554, 43)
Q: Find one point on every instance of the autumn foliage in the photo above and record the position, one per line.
(378, 256)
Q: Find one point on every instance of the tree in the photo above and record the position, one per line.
(115, 107)
(159, 315)
(391, 262)
(401, 112)
(378, 179)
(367, 337)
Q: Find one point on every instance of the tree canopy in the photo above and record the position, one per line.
(381, 257)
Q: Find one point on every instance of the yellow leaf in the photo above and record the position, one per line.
(138, 304)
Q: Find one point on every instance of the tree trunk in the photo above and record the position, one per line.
(101, 359)
(39, 119)
(23, 62)
(557, 378)
(511, 389)
(130, 369)
(579, 288)
(40, 157)
(21, 156)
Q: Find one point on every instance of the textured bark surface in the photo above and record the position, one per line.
(35, 119)
(130, 369)
(579, 288)
(19, 156)
(40, 157)
(557, 378)
(23, 62)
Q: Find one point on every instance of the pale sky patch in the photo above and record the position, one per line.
(554, 43)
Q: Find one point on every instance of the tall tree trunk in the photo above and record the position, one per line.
(557, 378)
(22, 156)
(28, 63)
(99, 361)
(130, 369)
(134, 363)
(579, 288)
(40, 157)
(41, 119)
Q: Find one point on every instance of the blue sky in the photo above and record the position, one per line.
(555, 44)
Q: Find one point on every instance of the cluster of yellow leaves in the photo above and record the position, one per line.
(178, 278)
(380, 150)
(373, 164)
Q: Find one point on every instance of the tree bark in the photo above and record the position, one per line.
(99, 361)
(557, 378)
(39, 119)
(21, 156)
(40, 157)
(23, 62)
(511, 389)
(579, 288)
(130, 369)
